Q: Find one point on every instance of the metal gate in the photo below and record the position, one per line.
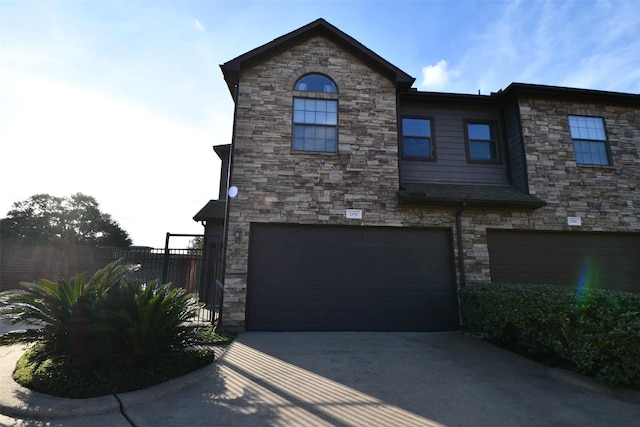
(197, 270)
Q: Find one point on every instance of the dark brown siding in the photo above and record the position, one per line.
(451, 160)
(515, 148)
(604, 260)
(350, 278)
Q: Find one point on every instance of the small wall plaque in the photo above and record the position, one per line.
(574, 220)
(354, 213)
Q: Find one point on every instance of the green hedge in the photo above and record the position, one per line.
(595, 332)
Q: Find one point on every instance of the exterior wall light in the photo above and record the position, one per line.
(237, 231)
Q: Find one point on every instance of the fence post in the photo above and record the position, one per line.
(165, 260)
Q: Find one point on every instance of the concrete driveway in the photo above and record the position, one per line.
(367, 379)
(386, 379)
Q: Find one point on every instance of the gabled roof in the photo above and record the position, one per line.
(319, 27)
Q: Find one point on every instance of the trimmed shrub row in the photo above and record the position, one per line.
(595, 332)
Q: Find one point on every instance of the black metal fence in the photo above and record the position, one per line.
(197, 269)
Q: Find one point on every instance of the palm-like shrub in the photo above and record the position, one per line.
(137, 321)
(108, 322)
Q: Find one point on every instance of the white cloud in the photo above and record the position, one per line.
(436, 77)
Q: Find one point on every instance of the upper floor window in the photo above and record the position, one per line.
(417, 141)
(482, 141)
(316, 83)
(589, 140)
(315, 120)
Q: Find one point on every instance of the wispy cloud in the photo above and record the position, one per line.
(199, 26)
(590, 44)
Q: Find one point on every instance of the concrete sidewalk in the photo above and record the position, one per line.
(346, 378)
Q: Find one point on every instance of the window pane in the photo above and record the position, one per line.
(482, 141)
(315, 125)
(591, 152)
(316, 83)
(482, 150)
(587, 128)
(309, 105)
(589, 140)
(479, 131)
(298, 109)
(417, 147)
(416, 127)
(315, 111)
(310, 117)
(315, 138)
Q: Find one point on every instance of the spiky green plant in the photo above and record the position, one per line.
(138, 320)
(107, 322)
(50, 309)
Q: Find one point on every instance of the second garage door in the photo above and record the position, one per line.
(605, 260)
(326, 278)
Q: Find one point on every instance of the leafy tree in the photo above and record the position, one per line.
(75, 219)
(196, 244)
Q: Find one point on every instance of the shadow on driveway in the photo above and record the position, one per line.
(400, 379)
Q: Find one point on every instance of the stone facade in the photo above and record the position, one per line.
(280, 186)
(277, 185)
(605, 197)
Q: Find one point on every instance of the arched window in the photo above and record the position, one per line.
(315, 118)
(316, 83)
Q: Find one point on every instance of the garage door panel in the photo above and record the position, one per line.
(609, 260)
(350, 278)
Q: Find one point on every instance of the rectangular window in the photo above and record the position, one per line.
(482, 141)
(589, 140)
(315, 125)
(416, 139)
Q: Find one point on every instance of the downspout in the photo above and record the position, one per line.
(463, 280)
(225, 234)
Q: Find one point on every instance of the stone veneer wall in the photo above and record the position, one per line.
(607, 198)
(281, 186)
(277, 185)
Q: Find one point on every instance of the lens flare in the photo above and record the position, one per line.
(587, 280)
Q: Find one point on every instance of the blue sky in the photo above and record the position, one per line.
(123, 100)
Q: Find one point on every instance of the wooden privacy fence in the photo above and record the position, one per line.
(197, 270)
(23, 260)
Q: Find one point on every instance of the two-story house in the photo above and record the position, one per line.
(359, 203)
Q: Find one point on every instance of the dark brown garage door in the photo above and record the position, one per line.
(326, 278)
(606, 260)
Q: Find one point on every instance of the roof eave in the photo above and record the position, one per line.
(232, 69)
(568, 93)
(212, 211)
